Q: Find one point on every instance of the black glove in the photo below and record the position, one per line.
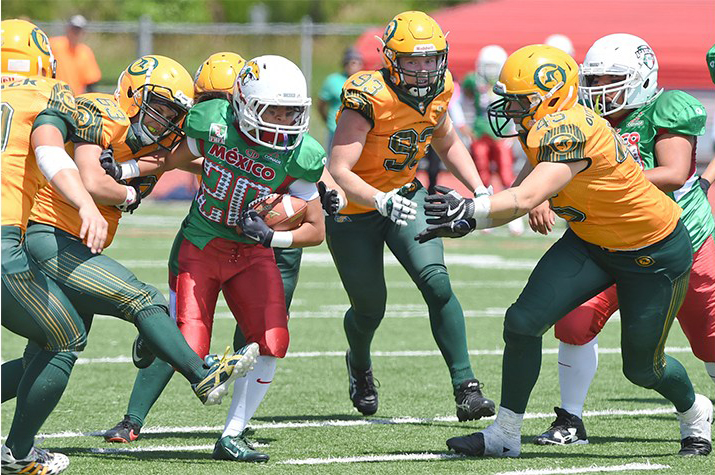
(111, 167)
(255, 228)
(448, 206)
(704, 184)
(330, 199)
(453, 229)
(134, 183)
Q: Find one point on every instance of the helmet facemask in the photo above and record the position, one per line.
(148, 98)
(253, 122)
(422, 83)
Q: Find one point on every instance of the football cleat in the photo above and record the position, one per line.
(471, 403)
(142, 356)
(363, 392)
(567, 429)
(124, 432)
(38, 461)
(237, 448)
(492, 441)
(223, 371)
(695, 427)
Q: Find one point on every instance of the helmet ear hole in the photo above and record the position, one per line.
(552, 102)
(645, 84)
(130, 92)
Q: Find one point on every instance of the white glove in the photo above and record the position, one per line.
(395, 206)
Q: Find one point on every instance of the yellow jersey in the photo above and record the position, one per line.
(610, 203)
(22, 102)
(402, 128)
(100, 121)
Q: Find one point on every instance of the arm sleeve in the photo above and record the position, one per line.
(193, 146)
(57, 120)
(303, 189)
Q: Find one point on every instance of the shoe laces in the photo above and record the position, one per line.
(365, 381)
(473, 386)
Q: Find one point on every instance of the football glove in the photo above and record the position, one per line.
(447, 206)
(132, 202)
(255, 228)
(704, 184)
(453, 229)
(330, 199)
(111, 167)
(395, 206)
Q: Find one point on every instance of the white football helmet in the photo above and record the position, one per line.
(624, 55)
(490, 60)
(271, 81)
(561, 42)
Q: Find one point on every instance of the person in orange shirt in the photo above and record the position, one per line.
(75, 60)
(622, 230)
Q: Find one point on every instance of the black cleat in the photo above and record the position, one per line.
(471, 445)
(567, 429)
(695, 446)
(363, 392)
(471, 403)
(142, 356)
(124, 432)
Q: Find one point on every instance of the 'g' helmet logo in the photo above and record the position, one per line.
(549, 75)
(40, 40)
(250, 72)
(142, 66)
(389, 31)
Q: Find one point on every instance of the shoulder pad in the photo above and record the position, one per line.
(202, 116)
(679, 113)
(559, 137)
(365, 92)
(308, 160)
(100, 120)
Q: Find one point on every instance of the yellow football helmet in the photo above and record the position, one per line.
(218, 73)
(535, 81)
(156, 92)
(409, 35)
(25, 51)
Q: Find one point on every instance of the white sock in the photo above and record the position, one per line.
(509, 422)
(577, 367)
(710, 368)
(248, 392)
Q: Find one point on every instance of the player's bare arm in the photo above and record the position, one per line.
(454, 154)
(673, 153)
(348, 143)
(312, 231)
(47, 138)
(102, 187)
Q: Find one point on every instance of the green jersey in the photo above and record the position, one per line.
(236, 171)
(476, 86)
(678, 113)
(711, 62)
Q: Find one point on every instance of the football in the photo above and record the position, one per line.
(281, 212)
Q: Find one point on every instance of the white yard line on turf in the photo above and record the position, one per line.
(389, 354)
(370, 458)
(356, 422)
(591, 469)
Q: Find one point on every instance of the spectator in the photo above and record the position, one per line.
(75, 60)
(329, 97)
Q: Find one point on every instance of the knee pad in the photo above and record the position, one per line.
(522, 322)
(640, 376)
(435, 286)
(275, 342)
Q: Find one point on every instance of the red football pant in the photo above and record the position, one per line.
(251, 284)
(487, 150)
(696, 316)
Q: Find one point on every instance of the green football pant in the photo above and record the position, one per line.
(651, 286)
(96, 283)
(357, 244)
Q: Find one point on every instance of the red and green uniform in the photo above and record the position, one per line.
(673, 112)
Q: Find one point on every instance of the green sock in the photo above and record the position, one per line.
(675, 385)
(12, 372)
(148, 385)
(359, 339)
(520, 370)
(447, 324)
(40, 389)
(166, 341)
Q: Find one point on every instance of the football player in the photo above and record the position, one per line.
(619, 80)
(152, 97)
(38, 116)
(622, 229)
(253, 145)
(387, 119)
